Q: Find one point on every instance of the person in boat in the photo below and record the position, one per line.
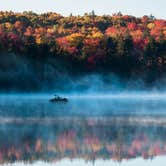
(58, 99)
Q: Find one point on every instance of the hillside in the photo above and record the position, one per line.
(50, 43)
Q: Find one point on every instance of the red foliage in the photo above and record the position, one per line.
(156, 33)
(114, 32)
(66, 46)
(160, 23)
(140, 43)
(132, 26)
(111, 30)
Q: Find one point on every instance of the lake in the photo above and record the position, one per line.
(120, 129)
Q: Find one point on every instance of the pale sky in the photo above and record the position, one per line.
(78, 7)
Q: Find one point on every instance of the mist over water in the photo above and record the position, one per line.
(112, 126)
(22, 81)
(82, 104)
(22, 74)
(107, 117)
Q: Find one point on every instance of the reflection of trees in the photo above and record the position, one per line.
(82, 140)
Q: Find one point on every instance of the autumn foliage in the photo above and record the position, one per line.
(93, 42)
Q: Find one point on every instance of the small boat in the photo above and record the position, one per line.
(59, 99)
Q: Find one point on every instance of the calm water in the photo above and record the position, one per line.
(120, 129)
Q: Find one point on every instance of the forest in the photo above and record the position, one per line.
(43, 46)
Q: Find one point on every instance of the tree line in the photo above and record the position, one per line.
(117, 43)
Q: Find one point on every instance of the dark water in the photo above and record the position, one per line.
(85, 130)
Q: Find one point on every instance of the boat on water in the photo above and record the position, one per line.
(59, 99)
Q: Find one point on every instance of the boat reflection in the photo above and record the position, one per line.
(88, 139)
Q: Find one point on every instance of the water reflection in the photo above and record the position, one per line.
(113, 129)
(88, 139)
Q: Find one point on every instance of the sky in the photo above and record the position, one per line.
(79, 7)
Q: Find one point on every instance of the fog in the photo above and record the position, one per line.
(111, 112)
(123, 128)
(83, 104)
(20, 73)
